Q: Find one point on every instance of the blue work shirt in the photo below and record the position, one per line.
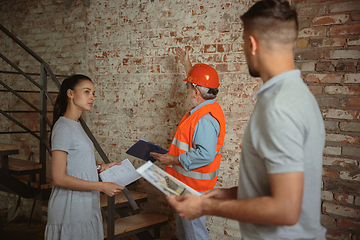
(205, 138)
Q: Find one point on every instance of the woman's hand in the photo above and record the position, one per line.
(111, 188)
(108, 165)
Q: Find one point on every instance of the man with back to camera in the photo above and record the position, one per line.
(278, 196)
(195, 152)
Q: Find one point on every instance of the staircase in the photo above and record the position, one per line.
(28, 179)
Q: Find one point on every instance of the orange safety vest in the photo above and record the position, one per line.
(203, 178)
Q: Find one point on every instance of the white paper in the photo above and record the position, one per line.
(122, 174)
(164, 181)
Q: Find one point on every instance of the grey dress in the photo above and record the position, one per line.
(74, 214)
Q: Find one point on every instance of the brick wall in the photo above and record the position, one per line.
(328, 52)
(126, 47)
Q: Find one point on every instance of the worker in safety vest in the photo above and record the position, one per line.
(195, 152)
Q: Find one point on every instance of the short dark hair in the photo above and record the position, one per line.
(272, 20)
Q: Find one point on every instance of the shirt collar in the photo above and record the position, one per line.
(201, 104)
(272, 82)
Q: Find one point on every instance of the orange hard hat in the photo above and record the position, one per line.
(203, 75)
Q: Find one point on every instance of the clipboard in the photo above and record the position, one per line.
(141, 149)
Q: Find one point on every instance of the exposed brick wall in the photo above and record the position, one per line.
(328, 52)
(126, 47)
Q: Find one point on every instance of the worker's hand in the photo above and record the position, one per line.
(183, 55)
(108, 165)
(221, 193)
(188, 206)
(111, 189)
(184, 59)
(165, 159)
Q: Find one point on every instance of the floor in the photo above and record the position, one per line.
(18, 229)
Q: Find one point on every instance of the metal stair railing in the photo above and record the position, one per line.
(46, 71)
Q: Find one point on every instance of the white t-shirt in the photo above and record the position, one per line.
(285, 134)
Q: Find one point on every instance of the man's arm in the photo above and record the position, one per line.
(283, 207)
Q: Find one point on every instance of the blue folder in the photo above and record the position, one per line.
(141, 149)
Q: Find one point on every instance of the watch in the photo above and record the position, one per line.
(98, 168)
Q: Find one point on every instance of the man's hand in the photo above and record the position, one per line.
(188, 206)
(183, 56)
(165, 159)
(221, 193)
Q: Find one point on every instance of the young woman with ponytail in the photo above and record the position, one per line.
(74, 204)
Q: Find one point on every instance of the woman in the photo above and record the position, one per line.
(74, 204)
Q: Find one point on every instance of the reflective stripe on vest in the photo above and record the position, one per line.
(195, 175)
(185, 147)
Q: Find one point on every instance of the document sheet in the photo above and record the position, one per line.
(122, 174)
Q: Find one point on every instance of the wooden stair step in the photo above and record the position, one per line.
(120, 198)
(25, 179)
(16, 164)
(8, 147)
(136, 222)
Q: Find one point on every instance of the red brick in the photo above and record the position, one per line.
(350, 126)
(325, 66)
(313, 32)
(223, 48)
(304, 22)
(327, 221)
(352, 78)
(316, 90)
(348, 66)
(341, 210)
(338, 234)
(341, 114)
(302, 43)
(323, 78)
(330, 174)
(340, 138)
(328, 102)
(350, 176)
(355, 16)
(210, 48)
(313, 10)
(351, 151)
(343, 90)
(352, 102)
(331, 19)
(344, 198)
(342, 54)
(344, 6)
(345, 29)
(307, 55)
(327, 42)
(353, 40)
(335, 161)
(221, 67)
(348, 224)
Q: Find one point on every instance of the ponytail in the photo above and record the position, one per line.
(62, 98)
